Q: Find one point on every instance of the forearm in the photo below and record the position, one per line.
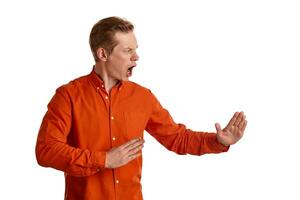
(200, 143)
(73, 161)
(185, 141)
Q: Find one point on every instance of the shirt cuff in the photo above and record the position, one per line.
(218, 145)
(99, 159)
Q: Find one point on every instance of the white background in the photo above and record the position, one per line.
(202, 59)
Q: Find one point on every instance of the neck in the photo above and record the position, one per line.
(109, 82)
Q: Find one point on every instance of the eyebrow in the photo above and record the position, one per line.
(131, 48)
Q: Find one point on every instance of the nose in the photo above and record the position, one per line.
(135, 57)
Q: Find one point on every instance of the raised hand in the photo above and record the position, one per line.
(123, 154)
(234, 130)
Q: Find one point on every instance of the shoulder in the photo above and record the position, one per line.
(143, 93)
(73, 86)
(135, 87)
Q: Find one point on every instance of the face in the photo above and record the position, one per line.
(122, 60)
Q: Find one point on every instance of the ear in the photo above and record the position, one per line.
(102, 54)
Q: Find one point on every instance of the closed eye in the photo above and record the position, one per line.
(130, 50)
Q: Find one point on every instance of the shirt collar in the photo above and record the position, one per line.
(99, 83)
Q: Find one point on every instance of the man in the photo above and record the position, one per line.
(93, 129)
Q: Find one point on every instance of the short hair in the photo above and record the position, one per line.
(103, 32)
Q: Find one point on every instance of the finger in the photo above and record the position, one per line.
(134, 145)
(134, 156)
(244, 126)
(123, 146)
(129, 143)
(135, 150)
(233, 119)
(238, 119)
(240, 125)
(218, 127)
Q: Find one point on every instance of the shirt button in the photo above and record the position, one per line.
(112, 117)
(102, 85)
(98, 170)
(98, 88)
(117, 181)
(113, 138)
(106, 97)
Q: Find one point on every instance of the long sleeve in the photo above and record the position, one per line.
(176, 137)
(52, 149)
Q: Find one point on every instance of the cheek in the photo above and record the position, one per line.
(121, 59)
(119, 62)
(123, 62)
(125, 58)
(117, 66)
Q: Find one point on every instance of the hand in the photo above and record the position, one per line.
(234, 130)
(123, 154)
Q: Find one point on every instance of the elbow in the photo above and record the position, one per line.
(41, 155)
(40, 160)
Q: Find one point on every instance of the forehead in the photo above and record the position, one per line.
(126, 40)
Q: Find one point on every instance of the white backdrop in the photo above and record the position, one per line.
(202, 59)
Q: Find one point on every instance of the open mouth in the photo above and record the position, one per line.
(129, 71)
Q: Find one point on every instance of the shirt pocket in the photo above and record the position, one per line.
(135, 123)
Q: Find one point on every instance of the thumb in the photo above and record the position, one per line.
(218, 127)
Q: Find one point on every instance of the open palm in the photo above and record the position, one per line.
(234, 130)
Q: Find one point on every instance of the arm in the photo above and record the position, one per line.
(176, 137)
(52, 149)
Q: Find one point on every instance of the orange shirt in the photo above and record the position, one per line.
(83, 122)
